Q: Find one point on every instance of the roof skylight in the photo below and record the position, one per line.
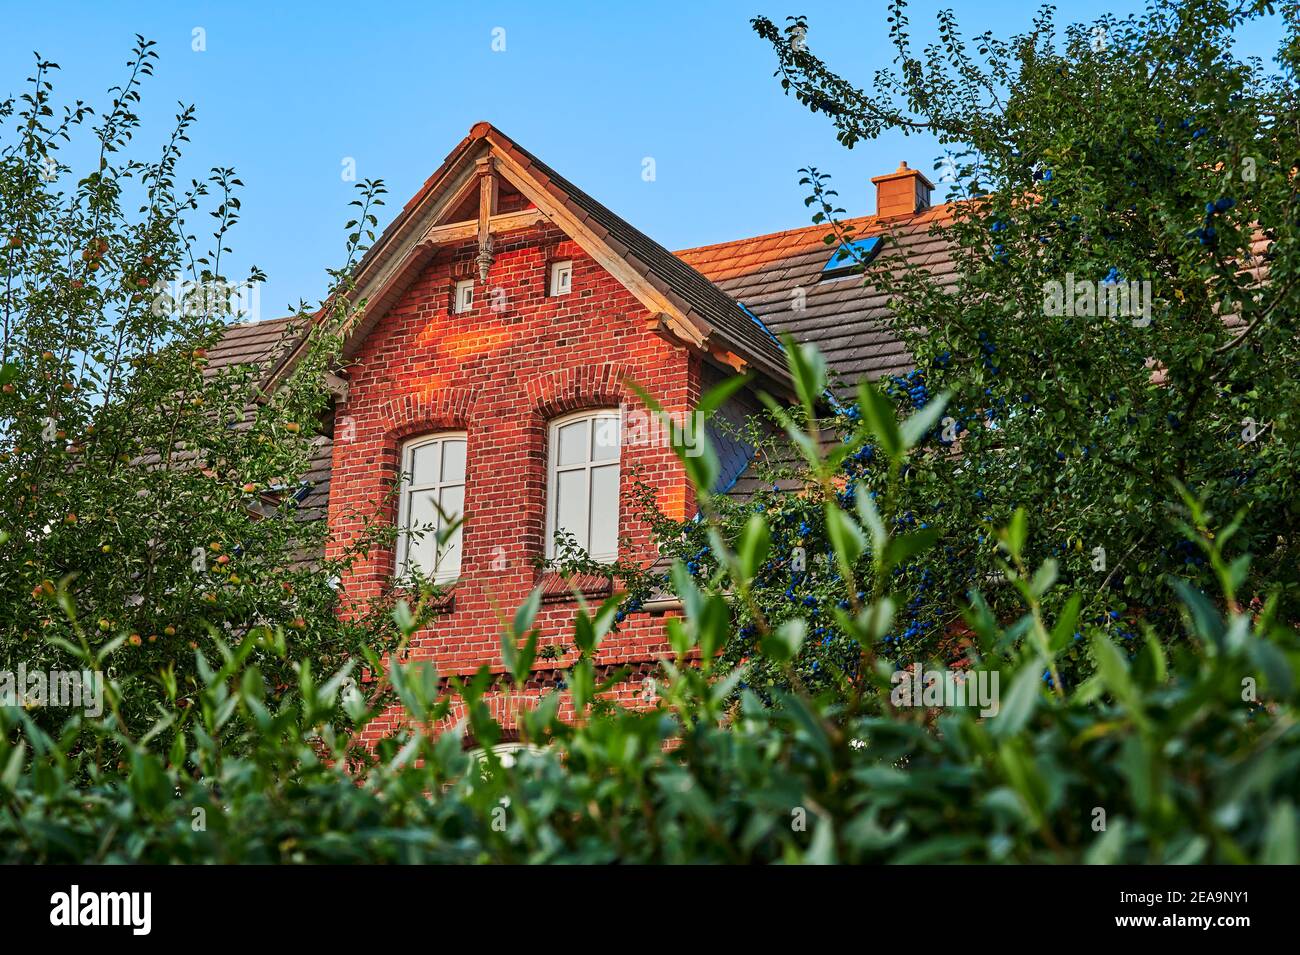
(850, 256)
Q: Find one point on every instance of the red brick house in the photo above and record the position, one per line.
(506, 312)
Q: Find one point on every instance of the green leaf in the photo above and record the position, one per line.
(1015, 534)
(1207, 622)
(1273, 664)
(699, 458)
(403, 618)
(808, 369)
(526, 613)
(582, 683)
(685, 588)
(1021, 699)
(755, 543)
(717, 396)
(14, 768)
(647, 398)
(807, 720)
(866, 508)
(721, 689)
(822, 850)
(846, 536)
(903, 548)
(875, 620)
(979, 616)
(713, 627)
(808, 448)
(1109, 847)
(1112, 668)
(1238, 571)
(1063, 632)
(1159, 664)
(178, 750)
(878, 413)
(1043, 578)
(1280, 841)
(782, 645)
(604, 619)
(524, 659)
(1024, 778)
(916, 427)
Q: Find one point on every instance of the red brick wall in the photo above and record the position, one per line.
(500, 373)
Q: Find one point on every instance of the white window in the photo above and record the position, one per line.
(582, 476)
(507, 753)
(561, 278)
(464, 295)
(433, 477)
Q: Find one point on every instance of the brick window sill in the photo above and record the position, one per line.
(444, 603)
(559, 588)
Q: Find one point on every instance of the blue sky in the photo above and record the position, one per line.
(287, 91)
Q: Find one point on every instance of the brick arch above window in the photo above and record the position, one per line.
(578, 388)
(418, 412)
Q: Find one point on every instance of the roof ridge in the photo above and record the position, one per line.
(762, 235)
(262, 321)
(694, 291)
(896, 220)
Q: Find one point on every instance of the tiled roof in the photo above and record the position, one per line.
(674, 276)
(260, 344)
(844, 317)
(253, 343)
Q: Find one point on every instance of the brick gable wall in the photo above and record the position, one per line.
(500, 373)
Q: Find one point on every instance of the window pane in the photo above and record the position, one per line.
(604, 510)
(422, 518)
(562, 279)
(424, 464)
(453, 503)
(605, 439)
(571, 504)
(464, 296)
(573, 443)
(453, 460)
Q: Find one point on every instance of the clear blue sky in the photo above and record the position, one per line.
(285, 91)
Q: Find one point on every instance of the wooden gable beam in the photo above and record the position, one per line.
(485, 169)
(664, 315)
(469, 228)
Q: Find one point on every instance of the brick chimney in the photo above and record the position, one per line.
(903, 192)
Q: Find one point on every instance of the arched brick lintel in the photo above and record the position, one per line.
(578, 387)
(444, 409)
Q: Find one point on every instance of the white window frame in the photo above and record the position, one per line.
(507, 753)
(559, 269)
(554, 468)
(440, 574)
(460, 304)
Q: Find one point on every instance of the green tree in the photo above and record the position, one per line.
(158, 494)
(1127, 155)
